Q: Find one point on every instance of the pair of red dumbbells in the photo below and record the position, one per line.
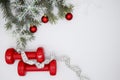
(11, 55)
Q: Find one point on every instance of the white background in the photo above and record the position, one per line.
(91, 39)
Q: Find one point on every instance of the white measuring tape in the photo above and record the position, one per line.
(64, 59)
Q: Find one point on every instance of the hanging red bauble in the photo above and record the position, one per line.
(44, 19)
(33, 28)
(69, 16)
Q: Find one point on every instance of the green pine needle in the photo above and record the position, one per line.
(8, 25)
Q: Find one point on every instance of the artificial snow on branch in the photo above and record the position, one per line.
(23, 13)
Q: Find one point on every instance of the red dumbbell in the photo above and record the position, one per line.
(51, 67)
(11, 55)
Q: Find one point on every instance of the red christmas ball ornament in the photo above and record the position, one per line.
(44, 19)
(69, 16)
(33, 28)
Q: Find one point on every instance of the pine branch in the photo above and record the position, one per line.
(34, 21)
(23, 39)
(8, 25)
(49, 13)
(52, 17)
(63, 10)
(21, 43)
(4, 1)
(22, 30)
(5, 5)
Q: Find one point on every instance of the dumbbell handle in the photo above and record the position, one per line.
(34, 68)
(30, 55)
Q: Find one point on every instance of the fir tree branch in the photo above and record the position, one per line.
(8, 25)
(63, 10)
(23, 17)
(5, 6)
